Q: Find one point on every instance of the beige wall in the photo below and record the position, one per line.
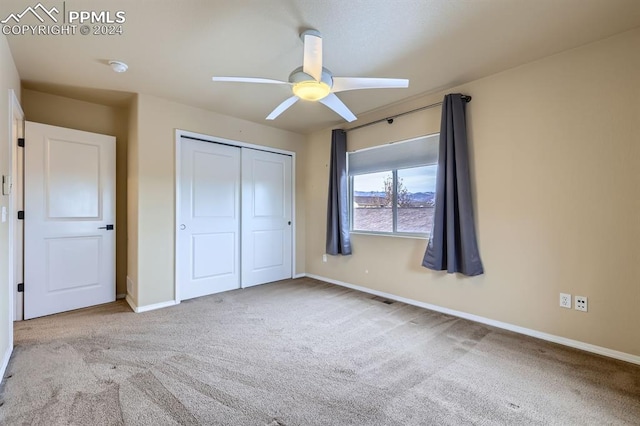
(9, 79)
(157, 121)
(555, 154)
(65, 112)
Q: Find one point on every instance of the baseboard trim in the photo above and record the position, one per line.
(120, 296)
(131, 303)
(588, 347)
(302, 275)
(139, 309)
(5, 361)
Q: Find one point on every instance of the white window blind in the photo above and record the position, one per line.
(413, 153)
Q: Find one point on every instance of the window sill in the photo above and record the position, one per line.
(385, 234)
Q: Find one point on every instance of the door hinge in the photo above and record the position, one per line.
(21, 142)
(21, 214)
(20, 287)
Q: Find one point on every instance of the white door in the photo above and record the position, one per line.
(266, 217)
(69, 219)
(208, 235)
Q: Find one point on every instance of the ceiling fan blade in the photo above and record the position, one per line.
(282, 107)
(312, 59)
(248, 80)
(333, 102)
(341, 84)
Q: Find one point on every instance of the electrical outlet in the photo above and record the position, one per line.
(581, 303)
(324, 258)
(565, 300)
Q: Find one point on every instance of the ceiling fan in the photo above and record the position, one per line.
(313, 82)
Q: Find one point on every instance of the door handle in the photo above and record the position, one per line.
(108, 227)
(183, 227)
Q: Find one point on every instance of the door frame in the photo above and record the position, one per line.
(16, 239)
(179, 134)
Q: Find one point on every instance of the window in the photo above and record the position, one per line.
(392, 187)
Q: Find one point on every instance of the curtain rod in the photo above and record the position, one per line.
(389, 120)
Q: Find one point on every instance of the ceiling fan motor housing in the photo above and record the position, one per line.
(298, 76)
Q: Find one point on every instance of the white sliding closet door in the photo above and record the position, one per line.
(266, 217)
(208, 236)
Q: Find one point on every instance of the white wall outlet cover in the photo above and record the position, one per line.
(565, 300)
(4, 214)
(581, 303)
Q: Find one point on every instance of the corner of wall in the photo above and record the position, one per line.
(132, 201)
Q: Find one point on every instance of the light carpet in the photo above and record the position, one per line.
(302, 352)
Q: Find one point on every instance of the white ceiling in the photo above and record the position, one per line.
(174, 47)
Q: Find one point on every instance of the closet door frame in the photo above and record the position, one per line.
(179, 134)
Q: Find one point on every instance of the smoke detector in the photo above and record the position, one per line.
(118, 66)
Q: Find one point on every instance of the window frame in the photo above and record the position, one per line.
(394, 204)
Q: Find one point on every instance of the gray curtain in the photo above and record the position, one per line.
(338, 238)
(453, 244)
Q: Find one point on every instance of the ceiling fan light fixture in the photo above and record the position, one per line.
(311, 90)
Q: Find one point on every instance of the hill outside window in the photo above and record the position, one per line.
(392, 187)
